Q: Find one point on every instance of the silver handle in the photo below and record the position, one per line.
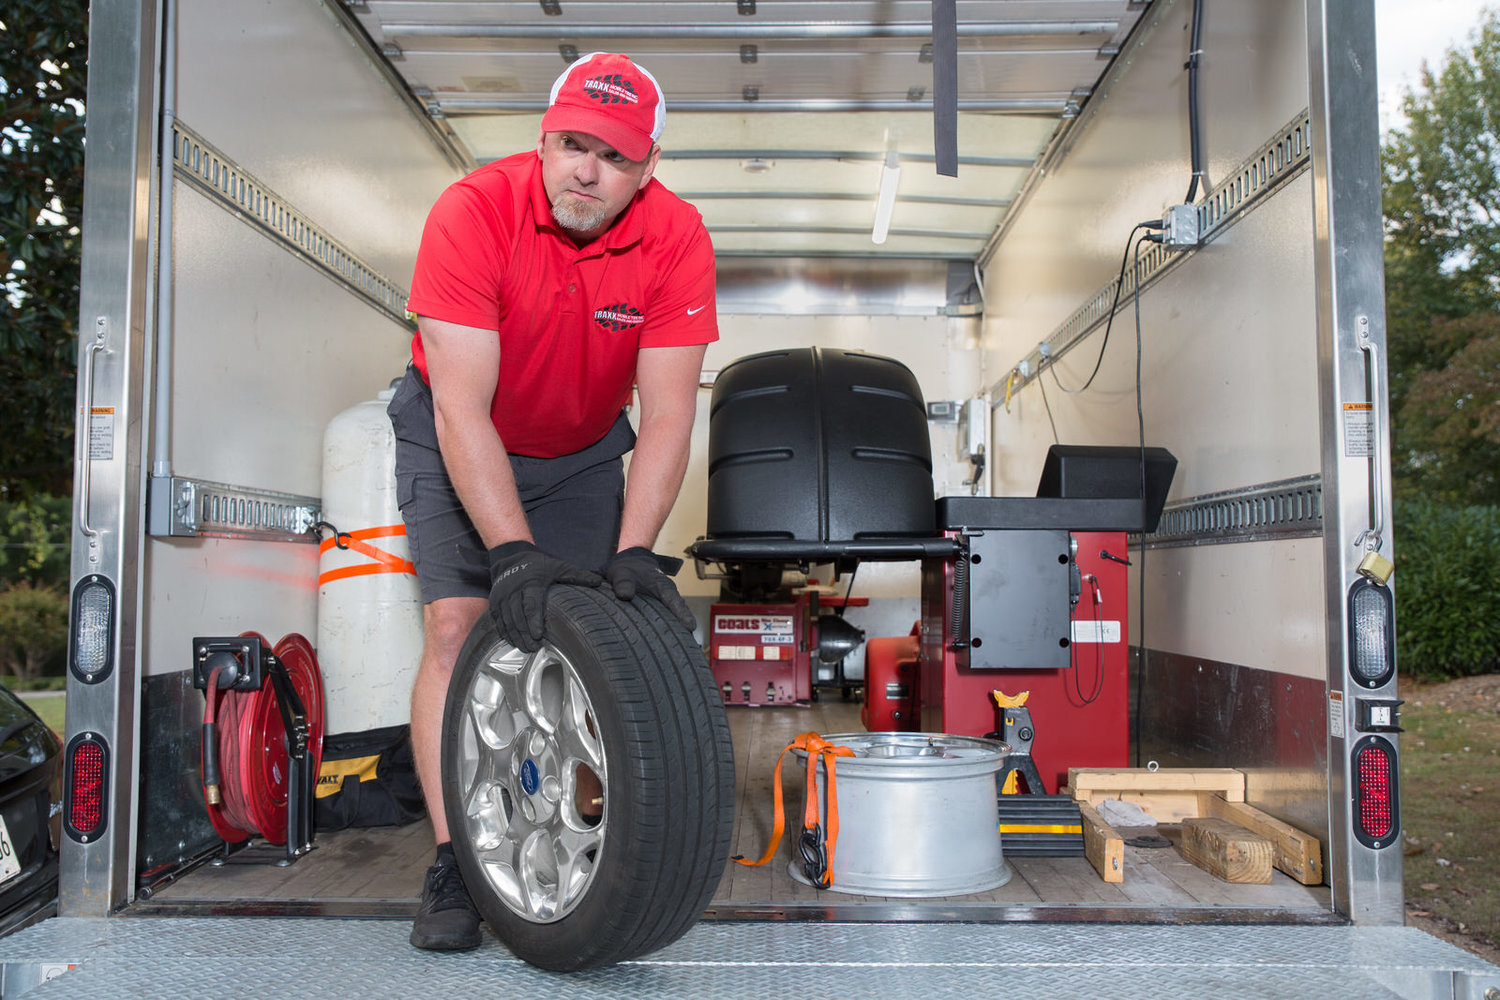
(85, 435)
(1371, 538)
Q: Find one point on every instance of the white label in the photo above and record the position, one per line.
(777, 640)
(762, 625)
(1336, 714)
(101, 434)
(1092, 631)
(1359, 430)
(10, 865)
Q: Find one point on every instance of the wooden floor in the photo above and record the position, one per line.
(384, 867)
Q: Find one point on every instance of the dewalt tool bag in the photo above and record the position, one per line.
(368, 778)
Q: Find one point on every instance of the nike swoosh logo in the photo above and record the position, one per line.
(698, 310)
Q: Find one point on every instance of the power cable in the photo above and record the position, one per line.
(1113, 305)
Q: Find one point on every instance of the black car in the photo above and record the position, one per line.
(30, 766)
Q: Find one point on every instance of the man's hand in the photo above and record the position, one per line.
(639, 570)
(521, 574)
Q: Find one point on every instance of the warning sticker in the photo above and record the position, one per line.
(1091, 631)
(1359, 430)
(1336, 714)
(101, 434)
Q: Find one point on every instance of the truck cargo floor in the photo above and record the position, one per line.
(319, 959)
(378, 872)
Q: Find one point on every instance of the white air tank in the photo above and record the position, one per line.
(369, 605)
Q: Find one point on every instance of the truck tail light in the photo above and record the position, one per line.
(92, 640)
(1377, 811)
(1372, 634)
(86, 787)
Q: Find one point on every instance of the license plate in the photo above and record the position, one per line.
(10, 864)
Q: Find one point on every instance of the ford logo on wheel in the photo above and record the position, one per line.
(531, 778)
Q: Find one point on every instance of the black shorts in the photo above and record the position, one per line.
(572, 502)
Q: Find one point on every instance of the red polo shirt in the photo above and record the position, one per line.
(570, 319)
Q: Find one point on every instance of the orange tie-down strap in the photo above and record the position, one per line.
(355, 541)
(817, 863)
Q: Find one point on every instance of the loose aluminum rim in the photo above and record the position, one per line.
(528, 724)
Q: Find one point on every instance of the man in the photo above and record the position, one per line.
(546, 284)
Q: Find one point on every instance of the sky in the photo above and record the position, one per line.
(1409, 31)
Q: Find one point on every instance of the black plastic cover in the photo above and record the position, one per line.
(818, 445)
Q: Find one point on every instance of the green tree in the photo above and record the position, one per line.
(43, 54)
(34, 540)
(1442, 215)
(33, 629)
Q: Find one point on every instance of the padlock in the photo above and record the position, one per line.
(1376, 568)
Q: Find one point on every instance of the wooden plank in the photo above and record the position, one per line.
(1104, 848)
(1168, 795)
(1296, 852)
(1231, 852)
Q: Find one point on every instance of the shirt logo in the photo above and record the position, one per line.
(694, 312)
(619, 317)
(612, 89)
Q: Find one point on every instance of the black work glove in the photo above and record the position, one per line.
(639, 570)
(518, 596)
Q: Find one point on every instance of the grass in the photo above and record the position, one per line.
(49, 706)
(1450, 803)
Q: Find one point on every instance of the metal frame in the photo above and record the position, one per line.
(182, 507)
(1291, 508)
(114, 313)
(1351, 317)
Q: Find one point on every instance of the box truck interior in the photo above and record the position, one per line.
(960, 192)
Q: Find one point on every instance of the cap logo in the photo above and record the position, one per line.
(611, 89)
(619, 318)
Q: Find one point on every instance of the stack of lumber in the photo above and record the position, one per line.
(1221, 832)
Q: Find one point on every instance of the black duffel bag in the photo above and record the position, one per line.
(368, 779)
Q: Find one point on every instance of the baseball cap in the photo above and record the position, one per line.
(606, 95)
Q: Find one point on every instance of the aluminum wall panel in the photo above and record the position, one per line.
(268, 349)
(283, 90)
(1229, 336)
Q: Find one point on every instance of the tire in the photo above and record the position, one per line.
(619, 690)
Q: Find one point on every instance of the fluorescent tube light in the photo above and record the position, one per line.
(885, 201)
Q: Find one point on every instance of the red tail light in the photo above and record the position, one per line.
(87, 785)
(1376, 800)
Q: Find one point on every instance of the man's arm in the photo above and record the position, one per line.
(667, 379)
(463, 368)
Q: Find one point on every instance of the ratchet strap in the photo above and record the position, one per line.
(815, 848)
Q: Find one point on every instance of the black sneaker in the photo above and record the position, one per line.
(446, 920)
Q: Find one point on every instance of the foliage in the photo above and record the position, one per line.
(33, 629)
(1452, 415)
(1442, 255)
(43, 52)
(34, 539)
(1448, 589)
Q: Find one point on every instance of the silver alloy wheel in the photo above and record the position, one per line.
(529, 739)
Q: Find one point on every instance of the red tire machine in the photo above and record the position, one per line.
(821, 456)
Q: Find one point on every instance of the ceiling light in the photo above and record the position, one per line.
(885, 202)
(757, 166)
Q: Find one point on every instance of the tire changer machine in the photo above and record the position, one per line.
(820, 457)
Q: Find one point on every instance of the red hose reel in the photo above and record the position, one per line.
(262, 737)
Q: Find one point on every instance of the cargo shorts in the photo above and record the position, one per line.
(572, 502)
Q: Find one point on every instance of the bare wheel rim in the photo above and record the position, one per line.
(533, 779)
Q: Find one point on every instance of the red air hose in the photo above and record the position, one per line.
(245, 764)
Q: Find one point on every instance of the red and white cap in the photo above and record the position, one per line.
(605, 95)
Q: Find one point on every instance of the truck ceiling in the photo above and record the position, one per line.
(782, 114)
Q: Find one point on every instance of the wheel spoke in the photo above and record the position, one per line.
(579, 736)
